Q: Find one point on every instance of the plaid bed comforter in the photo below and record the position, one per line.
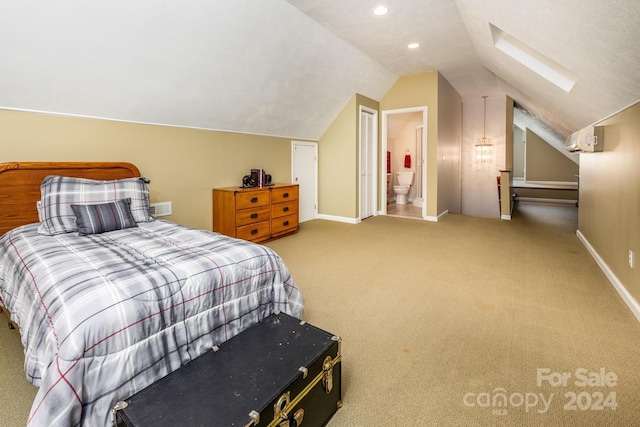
(103, 316)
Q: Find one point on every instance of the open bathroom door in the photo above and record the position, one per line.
(419, 199)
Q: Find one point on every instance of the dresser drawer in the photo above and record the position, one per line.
(254, 232)
(284, 194)
(251, 216)
(284, 224)
(250, 199)
(284, 209)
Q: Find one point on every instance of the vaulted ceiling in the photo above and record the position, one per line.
(286, 68)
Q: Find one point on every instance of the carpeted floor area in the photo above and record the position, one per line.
(441, 321)
(464, 322)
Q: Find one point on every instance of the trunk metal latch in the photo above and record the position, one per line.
(327, 374)
(298, 416)
(280, 412)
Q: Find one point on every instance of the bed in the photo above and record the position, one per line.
(104, 311)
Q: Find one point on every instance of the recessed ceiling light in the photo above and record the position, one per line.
(413, 45)
(380, 10)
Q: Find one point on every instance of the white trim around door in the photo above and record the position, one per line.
(423, 162)
(304, 172)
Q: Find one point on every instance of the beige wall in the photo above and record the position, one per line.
(449, 149)
(183, 164)
(544, 163)
(417, 91)
(509, 135)
(609, 210)
(338, 168)
(518, 152)
(337, 160)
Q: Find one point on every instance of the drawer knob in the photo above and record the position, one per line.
(285, 195)
(254, 199)
(286, 209)
(254, 231)
(285, 223)
(254, 215)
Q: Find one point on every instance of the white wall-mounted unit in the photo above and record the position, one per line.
(160, 209)
(587, 140)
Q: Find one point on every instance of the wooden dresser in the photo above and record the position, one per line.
(256, 214)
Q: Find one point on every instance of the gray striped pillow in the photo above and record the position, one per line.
(59, 192)
(103, 217)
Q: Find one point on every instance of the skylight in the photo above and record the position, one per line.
(534, 60)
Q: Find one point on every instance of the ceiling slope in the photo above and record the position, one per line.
(435, 24)
(252, 66)
(286, 68)
(595, 40)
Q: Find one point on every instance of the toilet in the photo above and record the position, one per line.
(405, 179)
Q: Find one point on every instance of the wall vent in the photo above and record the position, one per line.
(160, 209)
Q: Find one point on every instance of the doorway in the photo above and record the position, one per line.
(368, 159)
(304, 172)
(404, 139)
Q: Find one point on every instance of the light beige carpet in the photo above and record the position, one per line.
(439, 321)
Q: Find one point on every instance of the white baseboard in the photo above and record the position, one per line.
(436, 218)
(544, 200)
(339, 218)
(560, 185)
(507, 217)
(357, 220)
(617, 284)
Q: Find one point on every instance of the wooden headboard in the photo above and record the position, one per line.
(20, 185)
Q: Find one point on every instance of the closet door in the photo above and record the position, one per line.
(304, 172)
(367, 164)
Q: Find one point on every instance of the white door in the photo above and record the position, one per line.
(367, 163)
(304, 172)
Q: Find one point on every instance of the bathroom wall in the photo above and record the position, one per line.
(449, 147)
(420, 90)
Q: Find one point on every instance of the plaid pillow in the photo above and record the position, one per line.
(96, 219)
(58, 193)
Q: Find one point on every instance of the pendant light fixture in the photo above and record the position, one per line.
(484, 148)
